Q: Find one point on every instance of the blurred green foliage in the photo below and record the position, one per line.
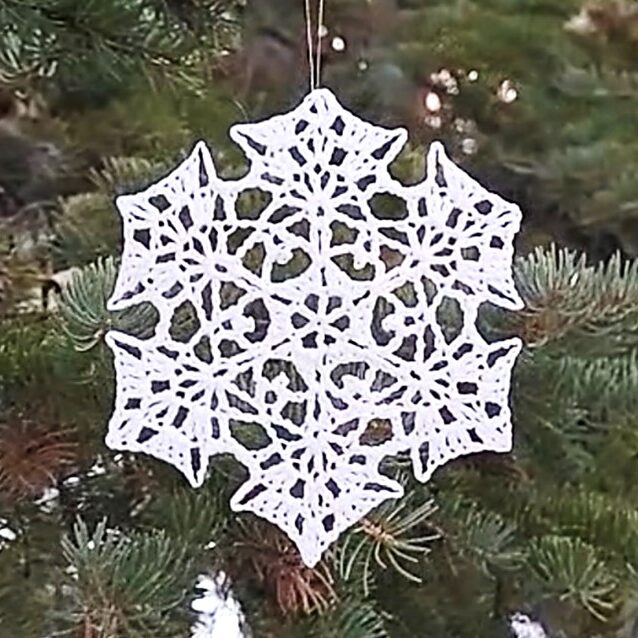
(536, 98)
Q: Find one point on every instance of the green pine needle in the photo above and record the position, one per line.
(85, 318)
(571, 569)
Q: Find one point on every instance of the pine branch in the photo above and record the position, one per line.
(609, 385)
(569, 406)
(572, 306)
(87, 229)
(394, 536)
(87, 226)
(129, 585)
(484, 538)
(353, 618)
(197, 520)
(605, 521)
(573, 572)
(113, 39)
(28, 351)
(85, 318)
(126, 174)
(23, 603)
(597, 83)
(42, 377)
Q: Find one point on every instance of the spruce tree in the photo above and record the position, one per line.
(538, 100)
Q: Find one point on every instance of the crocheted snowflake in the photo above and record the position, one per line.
(327, 324)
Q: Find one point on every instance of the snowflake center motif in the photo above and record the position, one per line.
(315, 316)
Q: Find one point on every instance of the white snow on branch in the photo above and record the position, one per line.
(524, 627)
(220, 615)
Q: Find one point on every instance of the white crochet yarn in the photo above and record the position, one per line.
(320, 319)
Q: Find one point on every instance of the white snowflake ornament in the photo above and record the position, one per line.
(318, 340)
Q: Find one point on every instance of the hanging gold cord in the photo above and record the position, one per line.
(311, 61)
(320, 27)
(314, 51)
